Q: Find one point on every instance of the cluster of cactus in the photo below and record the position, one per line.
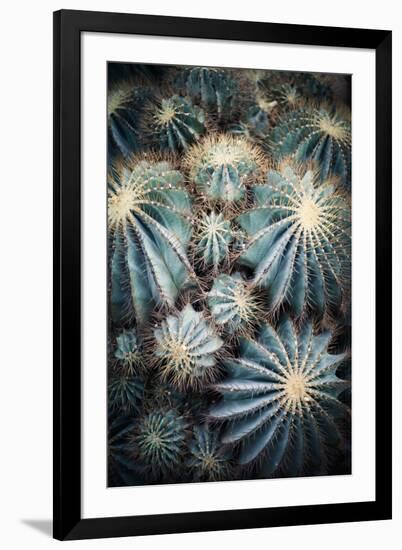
(229, 274)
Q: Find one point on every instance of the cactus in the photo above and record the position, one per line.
(124, 105)
(212, 88)
(213, 236)
(122, 469)
(208, 461)
(281, 400)
(221, 166)
(173, 123)
(149, 225)
(234, 304)
(125, 392)
(317, 134)
(186, 349)
(128, 351)
(159, 440)
(299, 241)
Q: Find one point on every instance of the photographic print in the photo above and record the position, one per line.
(229, 274)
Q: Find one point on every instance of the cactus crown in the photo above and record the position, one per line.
(186, 347)
(222, 164)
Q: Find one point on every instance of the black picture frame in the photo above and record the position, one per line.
(68, 26)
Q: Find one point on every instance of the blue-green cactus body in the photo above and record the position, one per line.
(317, 135)
(209, 460)
(212, 88)
(299, 241)
(128, 351)
(213, 237)
(124, 107)
(159, 441)
(175, 123)
(186, 349)
(281, 400)
(125, 392)
(122, 469)
(221, 166)
(149, 226)
(233, 304)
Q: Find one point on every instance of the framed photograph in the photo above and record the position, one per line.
(222, 275)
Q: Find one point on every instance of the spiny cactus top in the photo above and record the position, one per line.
(209, 459)
(159, 440)
(317, 134)
(281, 400)
(213, 236)
(174, 123)
(186, 348)
(149, 225)
(125, 392)
(124, 104)
(233, 303)
(128, 351)
(221, 165)
(299, 240)
(213, 88)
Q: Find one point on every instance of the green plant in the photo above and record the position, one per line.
(299, 240)
(125, 392)
(281, 400)
(209, 460)
(174, 123)
(212, 88)
(149, 228)
(186, 347)
(122, 470)
(318, 134)
(234, 304)
(221, 165)
(213, 235)
(159, 441)
(128, 351)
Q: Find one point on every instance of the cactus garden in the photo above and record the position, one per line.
(229, 274)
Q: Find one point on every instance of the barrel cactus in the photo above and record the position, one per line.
(212, 88)
(158, 441)
(213, 235)
(174, 123)
(319, 134)
(281, 400)
(234, 304)
(221, 166)
(125, 392)
(186, 347)
(209, 460)
(124, 105)
(128, 351)
(149, 226)
(122, 470)
(299, 241)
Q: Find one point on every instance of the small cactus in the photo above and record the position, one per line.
(159, 441)
(174, 123)
(234, 304)
(213, 236)
(281, 400)
(209, 460)
(299, 241)
(128, 351)
(125, 392)
(186, 349)
(149, 225)
(212, 88)
(319, 134)
(221, 166)
(124, 105)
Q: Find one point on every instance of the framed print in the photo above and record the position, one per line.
(222, 274)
